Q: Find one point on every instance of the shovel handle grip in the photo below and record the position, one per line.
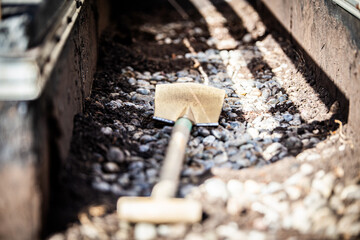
(173, 161)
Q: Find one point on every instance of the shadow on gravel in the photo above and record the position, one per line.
(328, 93)
(316, 77)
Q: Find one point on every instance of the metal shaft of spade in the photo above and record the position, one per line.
(173, 161)
(161, 206)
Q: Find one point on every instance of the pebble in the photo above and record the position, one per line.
(324, 222)
(229, 231)
(272, 150)
(336, 204)
(251, 186)
(293, 192)
(288, 117)
(90, 231)
(272, 187)
(107, 130)
(111, 167)
(144, 231)
(231, 115)
(216, 133)
(256, 235)
(175, 230)
(146, 139)
(294, 179)
(306, 169)
(194, 236)
(247, 38)
(124, 179)
(132, 81)
(144, 148)
(121, 235)
(135, 123)
(101, 186)
(208, 140)
(186, 189)
(143, 91)
(300, 219)
(221, 158)
(116, 189)
(253, 132)
(266, 93)
(324, 184)
(243, 162)
(204, 132)
(114, 154)
(293, 143)
(239, 141)
(313, 201)
(349, 224)
(57, 236)
(351, 192)
(216, 189)
(235, 188)
(308, 156)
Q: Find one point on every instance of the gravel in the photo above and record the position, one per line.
(261, 123)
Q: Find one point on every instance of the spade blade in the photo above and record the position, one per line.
(173, 100)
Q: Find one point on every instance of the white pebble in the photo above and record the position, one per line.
(251, 186)
(144, 231)
(306, 169)
(111, 167)
(208, 140)
(235, 188)
(194, 236)
(324, 184)
(349, 225)
(271, 150)
(256, 235)
(227, 231)
(216, 189)
(351, 192)
(293, 192)
(175, 230)
(300, 219)
(272, 187)
(253, 132)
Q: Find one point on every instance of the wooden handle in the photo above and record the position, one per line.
(165, 210)
(174, 157)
